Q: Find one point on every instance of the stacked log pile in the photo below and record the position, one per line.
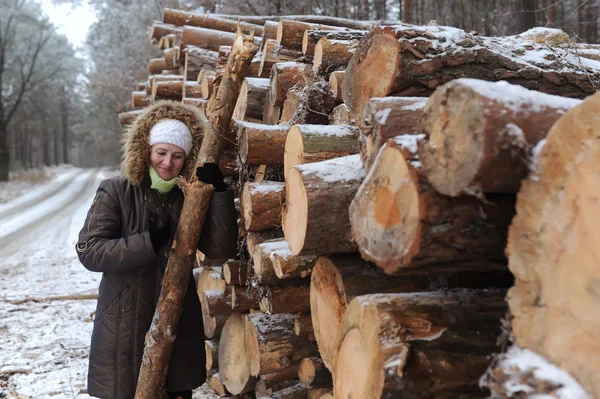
(376, 191)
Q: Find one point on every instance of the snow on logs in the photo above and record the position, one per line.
(552, 248)
(311, 37)
(314, 143)
(399, 221)
(385, 118)
(316, 201)
(430, 344)
(434, 55)
(480, 134)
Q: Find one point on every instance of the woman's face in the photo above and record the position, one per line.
(167, 159)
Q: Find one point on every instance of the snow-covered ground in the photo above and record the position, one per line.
(44, 339)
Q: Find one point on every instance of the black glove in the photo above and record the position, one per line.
(159, 232)
(211, 174)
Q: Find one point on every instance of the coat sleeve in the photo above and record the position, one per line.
(220, 231)
(100, 247)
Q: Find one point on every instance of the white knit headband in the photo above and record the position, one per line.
(172, 131)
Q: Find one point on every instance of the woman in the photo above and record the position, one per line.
(127, 236)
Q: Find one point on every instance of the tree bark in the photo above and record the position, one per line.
(286, 299)
(290, 33)
(317, 199)
(271, 345)
(552, 252)
(411, 345)
(284, 76)
(181, 18)
(331, 55)
(286, 265)
(156, 65)
(308, 104)
(315, 143)
(341, 116)
(204, 38)
(385, 118)
(311, 37)
(234, 272)
(160, 29)
(172, 89)
(398, 221)
(273, 382)
(253, 238)
(191, 89)
(273, 53)
(64, 123)
(262, 205)
(271, 112)
(139, 99)
(412, 61)
(481, 135)
(251, 101)
(160, 338)
(197, 60)
(171, 58)
(263, 262)
(261, 144)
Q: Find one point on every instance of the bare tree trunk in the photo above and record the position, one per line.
(45, 141)
(56, 137)
(64, 119)
(406, 12)
(4, 154)
(550, 13)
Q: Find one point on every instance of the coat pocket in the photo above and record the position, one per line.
(112, 309)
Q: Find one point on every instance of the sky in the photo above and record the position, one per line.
(73, 21)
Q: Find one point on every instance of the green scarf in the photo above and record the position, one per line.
(163, 186)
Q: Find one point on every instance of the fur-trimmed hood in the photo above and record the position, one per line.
(136, 149)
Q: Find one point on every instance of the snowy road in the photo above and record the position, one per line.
(43, 341)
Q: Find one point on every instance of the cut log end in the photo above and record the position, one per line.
(233, 363)
(296, 215)
(357, 382)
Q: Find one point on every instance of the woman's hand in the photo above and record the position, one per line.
(211, 174)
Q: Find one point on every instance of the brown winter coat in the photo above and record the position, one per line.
(115, 240)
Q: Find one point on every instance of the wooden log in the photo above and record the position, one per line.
(290, 33)
(272, 53)
(192, 90)
(206, 85)
(197, 60)
(141, 86)
(160, 29)
(139, 99)
(213, 324)
(160, 339)
(284, 76)
(222, 58)
(211, 347)
(285, 299)
(316, 201)
(341, 116)
(551, 249)
(308, 104)
(181, 18)
(251, 101)
(411, 345)
(253, 238)
(211, 279)
(167, 41)
(271, 345)
(297, 391)
(398, 221)
(270, 31)
(209, 39)
(196, 102)
(233, 360)
(313, 373)
(480, 134)
(262, 204)
(271, 112)
(287, 265)
(311, 37)
(215, 383)
(315, 143)
(385, 118)
(261, 144)
(127, 118)
(171, 58)
(336, 84)
(262, 260)
(156, 65)
(336, 281)
(303, 326)
(255, 71)
(235, 273)
(172, 89)
(331, 55)
(435, 55)
(156, 79)
(269, 383)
